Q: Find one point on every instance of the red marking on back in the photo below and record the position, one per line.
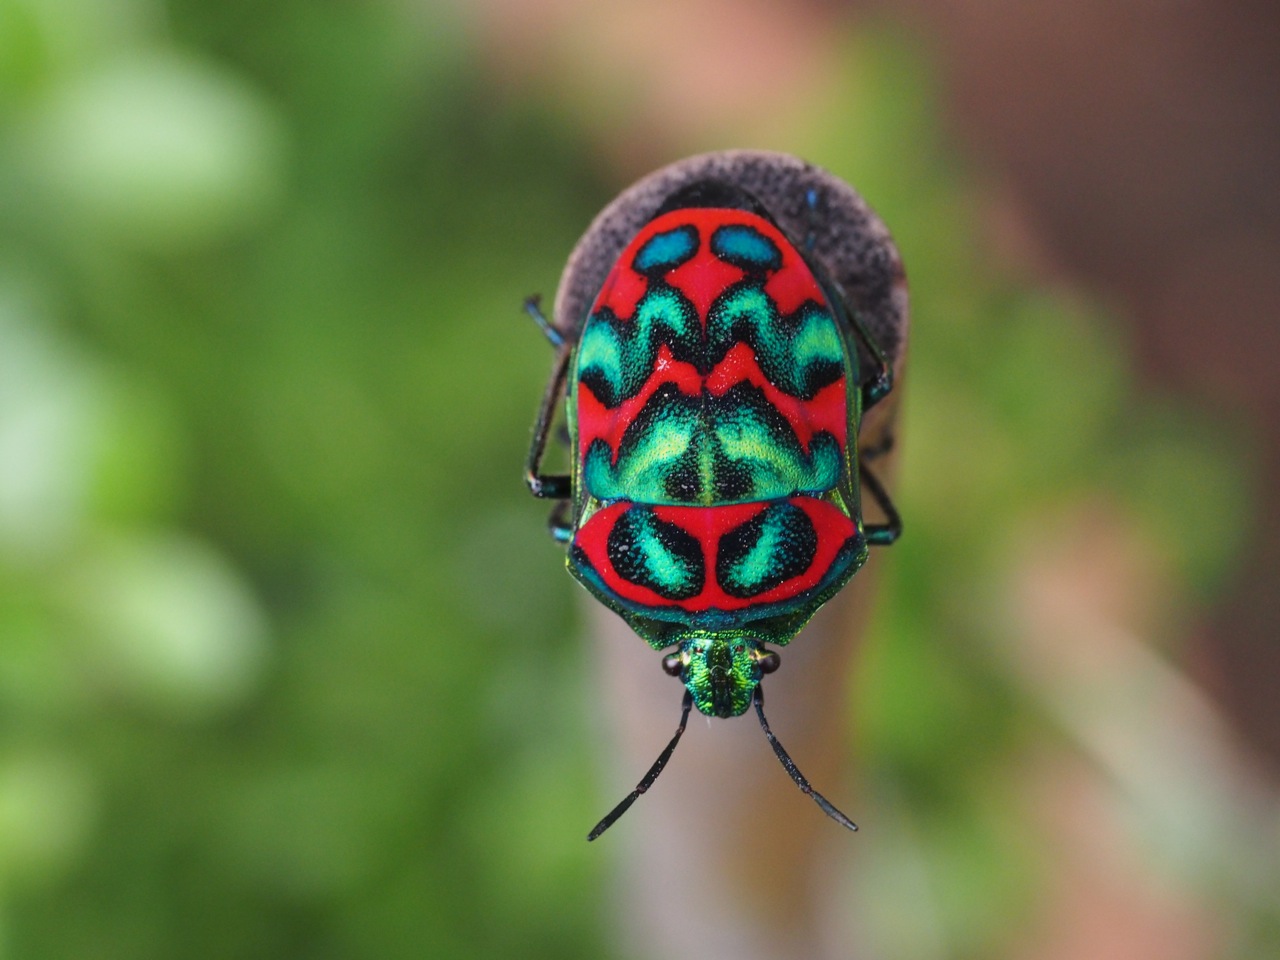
(704, 277)
(622, 289)
(707, 525)
(794, 284)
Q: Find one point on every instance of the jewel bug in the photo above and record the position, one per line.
(720, 331)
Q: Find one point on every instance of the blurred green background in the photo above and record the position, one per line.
(287, 665)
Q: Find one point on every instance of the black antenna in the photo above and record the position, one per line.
(652, 775)
(790, 766)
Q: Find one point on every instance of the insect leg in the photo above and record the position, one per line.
(880, 534)
(559, 524)
(551, 486)
(877, 450)
(873, 391)
(533, 307)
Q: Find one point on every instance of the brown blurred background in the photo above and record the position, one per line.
(1135, 147)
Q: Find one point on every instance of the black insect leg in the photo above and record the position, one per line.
(551, 486)
(559, 523)
(533, 307)
(873, 391)
(881, 447)
(880, 534)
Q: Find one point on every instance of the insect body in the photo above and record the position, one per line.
(714, 396)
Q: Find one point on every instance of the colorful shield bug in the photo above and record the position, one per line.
(720, 331)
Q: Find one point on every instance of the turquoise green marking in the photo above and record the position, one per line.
(623, 352)
(778, 465)
(647, 551)
(649, 457)
(788, 352)
(745, 246)
(666, 250)
(784, 546)
(707, 436)
(672, 571)
(759, 564)
(816, 340)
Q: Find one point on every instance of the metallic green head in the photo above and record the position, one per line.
(721, 669)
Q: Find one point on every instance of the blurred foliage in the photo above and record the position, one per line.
(287, 665)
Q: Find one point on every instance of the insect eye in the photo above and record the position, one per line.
(672, 664)
(769, 662)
